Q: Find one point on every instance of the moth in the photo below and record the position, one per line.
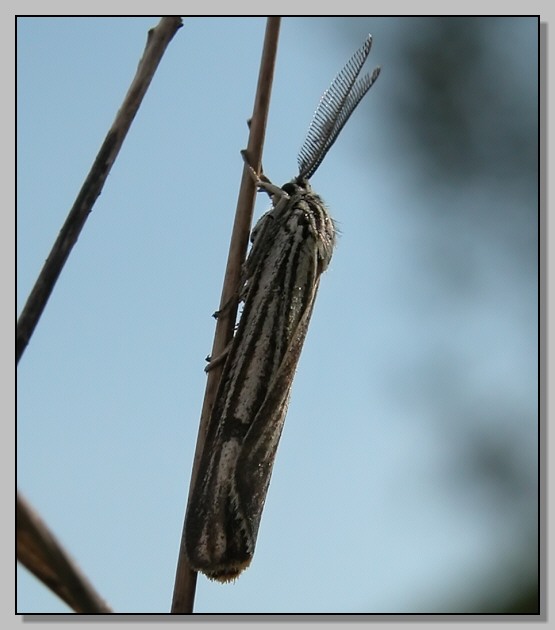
(292, 244)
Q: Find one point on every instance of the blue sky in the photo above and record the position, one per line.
(378, 500)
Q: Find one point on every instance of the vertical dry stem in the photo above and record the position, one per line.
(185, 579)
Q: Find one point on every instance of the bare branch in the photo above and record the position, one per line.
(42, 554)
(37, 548)
(185, 580)
(157, 42)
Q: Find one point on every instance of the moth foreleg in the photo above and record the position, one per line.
(261, 181)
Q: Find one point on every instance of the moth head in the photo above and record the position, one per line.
(297, 185)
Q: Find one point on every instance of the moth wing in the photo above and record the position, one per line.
(255, 462)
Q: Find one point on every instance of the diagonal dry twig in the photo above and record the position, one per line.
(41, 553)
(37, 548)
(157, 42)
(185, 579)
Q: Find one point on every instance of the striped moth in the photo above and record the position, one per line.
(292, 245)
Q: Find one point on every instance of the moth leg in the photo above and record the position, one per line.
(227, 306)
(258, 177)
(260, 180)
(214, 361)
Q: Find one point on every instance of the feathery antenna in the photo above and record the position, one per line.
(336, 105)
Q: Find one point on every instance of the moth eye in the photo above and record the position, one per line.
(289, 188)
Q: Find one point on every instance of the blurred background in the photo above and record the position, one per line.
(406, 480)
